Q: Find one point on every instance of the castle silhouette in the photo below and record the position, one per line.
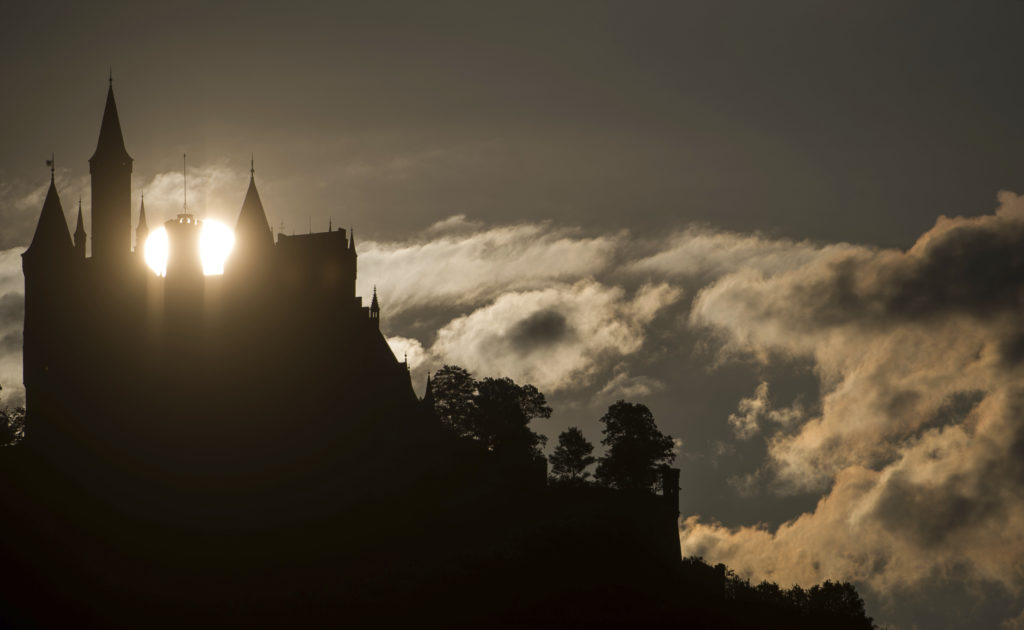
(250, 437)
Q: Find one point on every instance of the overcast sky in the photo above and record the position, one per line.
(729, 211)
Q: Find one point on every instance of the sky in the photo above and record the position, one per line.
(793, 229)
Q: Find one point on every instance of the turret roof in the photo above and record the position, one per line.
(111, 141)
(252, 227)
(52, 230)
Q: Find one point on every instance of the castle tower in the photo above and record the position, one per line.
(111, 170)
(46, 264)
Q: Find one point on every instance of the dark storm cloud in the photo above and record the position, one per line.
(971, 267)
(540, 329)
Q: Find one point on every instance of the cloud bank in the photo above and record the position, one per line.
(919, 445)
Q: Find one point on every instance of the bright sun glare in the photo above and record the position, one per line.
(215, 243)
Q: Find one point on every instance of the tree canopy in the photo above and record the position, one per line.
(494, 411)
(454, 392)
(571, 457)
(637, 450)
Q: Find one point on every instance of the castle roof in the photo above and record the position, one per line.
(111, 141)
(252, 227)
(143, 227)
(80, 225)
(52, 230)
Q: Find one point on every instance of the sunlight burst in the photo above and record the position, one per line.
(155, 251)
(215, 243)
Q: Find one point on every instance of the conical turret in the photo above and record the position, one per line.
(111, 170)
(80, 235)
(428, 395)
(51, 239)
(253, 238)
(142, 229)
(375, 309)
(111, 141)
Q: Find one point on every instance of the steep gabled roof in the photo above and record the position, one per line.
(252, 230)
(80, 225)
(111, 141)
(52, 230)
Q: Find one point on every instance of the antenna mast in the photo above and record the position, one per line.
(184, 179)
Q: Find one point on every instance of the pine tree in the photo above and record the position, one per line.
(637, 450)
(571, 457)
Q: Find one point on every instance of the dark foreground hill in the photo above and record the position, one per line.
(450, 538)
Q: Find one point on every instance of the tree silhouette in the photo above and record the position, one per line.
(571, 457)
(504, 411)
(494, 411)
(455, 399)
(636, 448)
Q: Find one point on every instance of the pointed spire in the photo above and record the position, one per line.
(428, 395)
(352, 239)
(374, 304)
(142, 213)
(80, 235)
(142, 230)
(111, 142)
(51, 236)
(252, 230)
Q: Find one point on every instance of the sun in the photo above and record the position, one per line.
(215, 243)
(155, 251)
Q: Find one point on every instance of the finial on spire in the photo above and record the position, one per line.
(51, 163)
(184, 180)
(252, 165)
(110, 76)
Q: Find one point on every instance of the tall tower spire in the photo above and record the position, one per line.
(254, 239)
(111, 170)
(142, 230)
(375, 308)
(80, 235)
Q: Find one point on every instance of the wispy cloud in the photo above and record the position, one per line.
(464, 264)
(556, 337)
